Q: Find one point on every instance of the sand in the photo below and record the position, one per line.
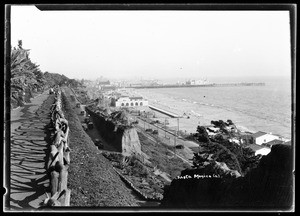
(187, 123)
(192, 114)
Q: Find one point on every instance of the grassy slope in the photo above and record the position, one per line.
(160, 157)
(91, 177)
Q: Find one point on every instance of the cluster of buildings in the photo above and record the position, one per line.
(189, 82)
(263, 142)
(196, 82)
(116, 98)
(119, 100)
(105, 85)
(260, 142)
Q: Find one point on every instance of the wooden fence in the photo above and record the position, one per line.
(59, 156)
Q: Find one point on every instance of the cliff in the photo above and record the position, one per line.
(92, 178)
(124, 139)
(267, 187)
(131, 142)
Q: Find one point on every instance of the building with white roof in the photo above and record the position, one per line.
(260, 150)
(260, 137)
(126, 101)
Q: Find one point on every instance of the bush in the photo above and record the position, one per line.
(229, 122)
(202, 135)
(138, 169)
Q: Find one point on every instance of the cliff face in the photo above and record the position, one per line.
(131, 142)
(269, 186)
(124, 140)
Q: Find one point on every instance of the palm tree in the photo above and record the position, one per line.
(24, 73)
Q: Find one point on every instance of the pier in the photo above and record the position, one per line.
(193, 86)
(172, 115)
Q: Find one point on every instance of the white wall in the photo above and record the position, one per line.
(265, 138)
(263, 151)
(127, 100)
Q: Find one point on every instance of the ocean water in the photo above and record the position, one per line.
(252, 108)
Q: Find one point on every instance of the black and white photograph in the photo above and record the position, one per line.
(149, 108)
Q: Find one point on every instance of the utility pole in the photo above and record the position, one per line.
(165, 127)
(177, 126)
(157, 132)
(174, 143)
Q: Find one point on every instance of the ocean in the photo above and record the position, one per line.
(252, 108)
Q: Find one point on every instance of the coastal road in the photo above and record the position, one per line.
(29, 145)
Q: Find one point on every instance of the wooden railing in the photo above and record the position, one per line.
(59, 157)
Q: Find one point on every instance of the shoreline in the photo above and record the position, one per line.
(188, 108)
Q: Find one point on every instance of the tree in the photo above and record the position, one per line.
(202, 135)
(22, 75)
(235, 156)
(26, 76)
(229, 122)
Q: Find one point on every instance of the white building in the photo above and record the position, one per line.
(126, 101)
(235, 140)
(211, 131)
(260, 150)
(262, 137)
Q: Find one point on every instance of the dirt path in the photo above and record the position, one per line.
(29, 140)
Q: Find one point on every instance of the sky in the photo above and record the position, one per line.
(155, 44)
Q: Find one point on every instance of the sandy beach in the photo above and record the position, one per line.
(201, 107)
(198, 115)
(187, 123)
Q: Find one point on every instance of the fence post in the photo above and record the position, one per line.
(59, 156)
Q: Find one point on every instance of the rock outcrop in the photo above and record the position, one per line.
(269, 186)
(124, 139)
(131, 142)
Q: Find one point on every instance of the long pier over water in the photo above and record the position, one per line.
(204, 85)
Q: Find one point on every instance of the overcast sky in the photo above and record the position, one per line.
(155, 44)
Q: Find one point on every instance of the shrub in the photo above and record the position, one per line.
(202, 135)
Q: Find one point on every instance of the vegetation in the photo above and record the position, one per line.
(27, 78)
(237, 157)
(141, 175)
(144, 175)
(162, 158)
(202, 135)
(269, 186)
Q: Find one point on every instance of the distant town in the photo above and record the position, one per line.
(154, 83)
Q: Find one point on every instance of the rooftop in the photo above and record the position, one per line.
(103, 82)
(136, 97)
(274, 142)
(258, 134)
(288, 143)
(256, 147)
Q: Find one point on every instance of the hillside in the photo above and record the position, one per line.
(267, 187)
(91, 176)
